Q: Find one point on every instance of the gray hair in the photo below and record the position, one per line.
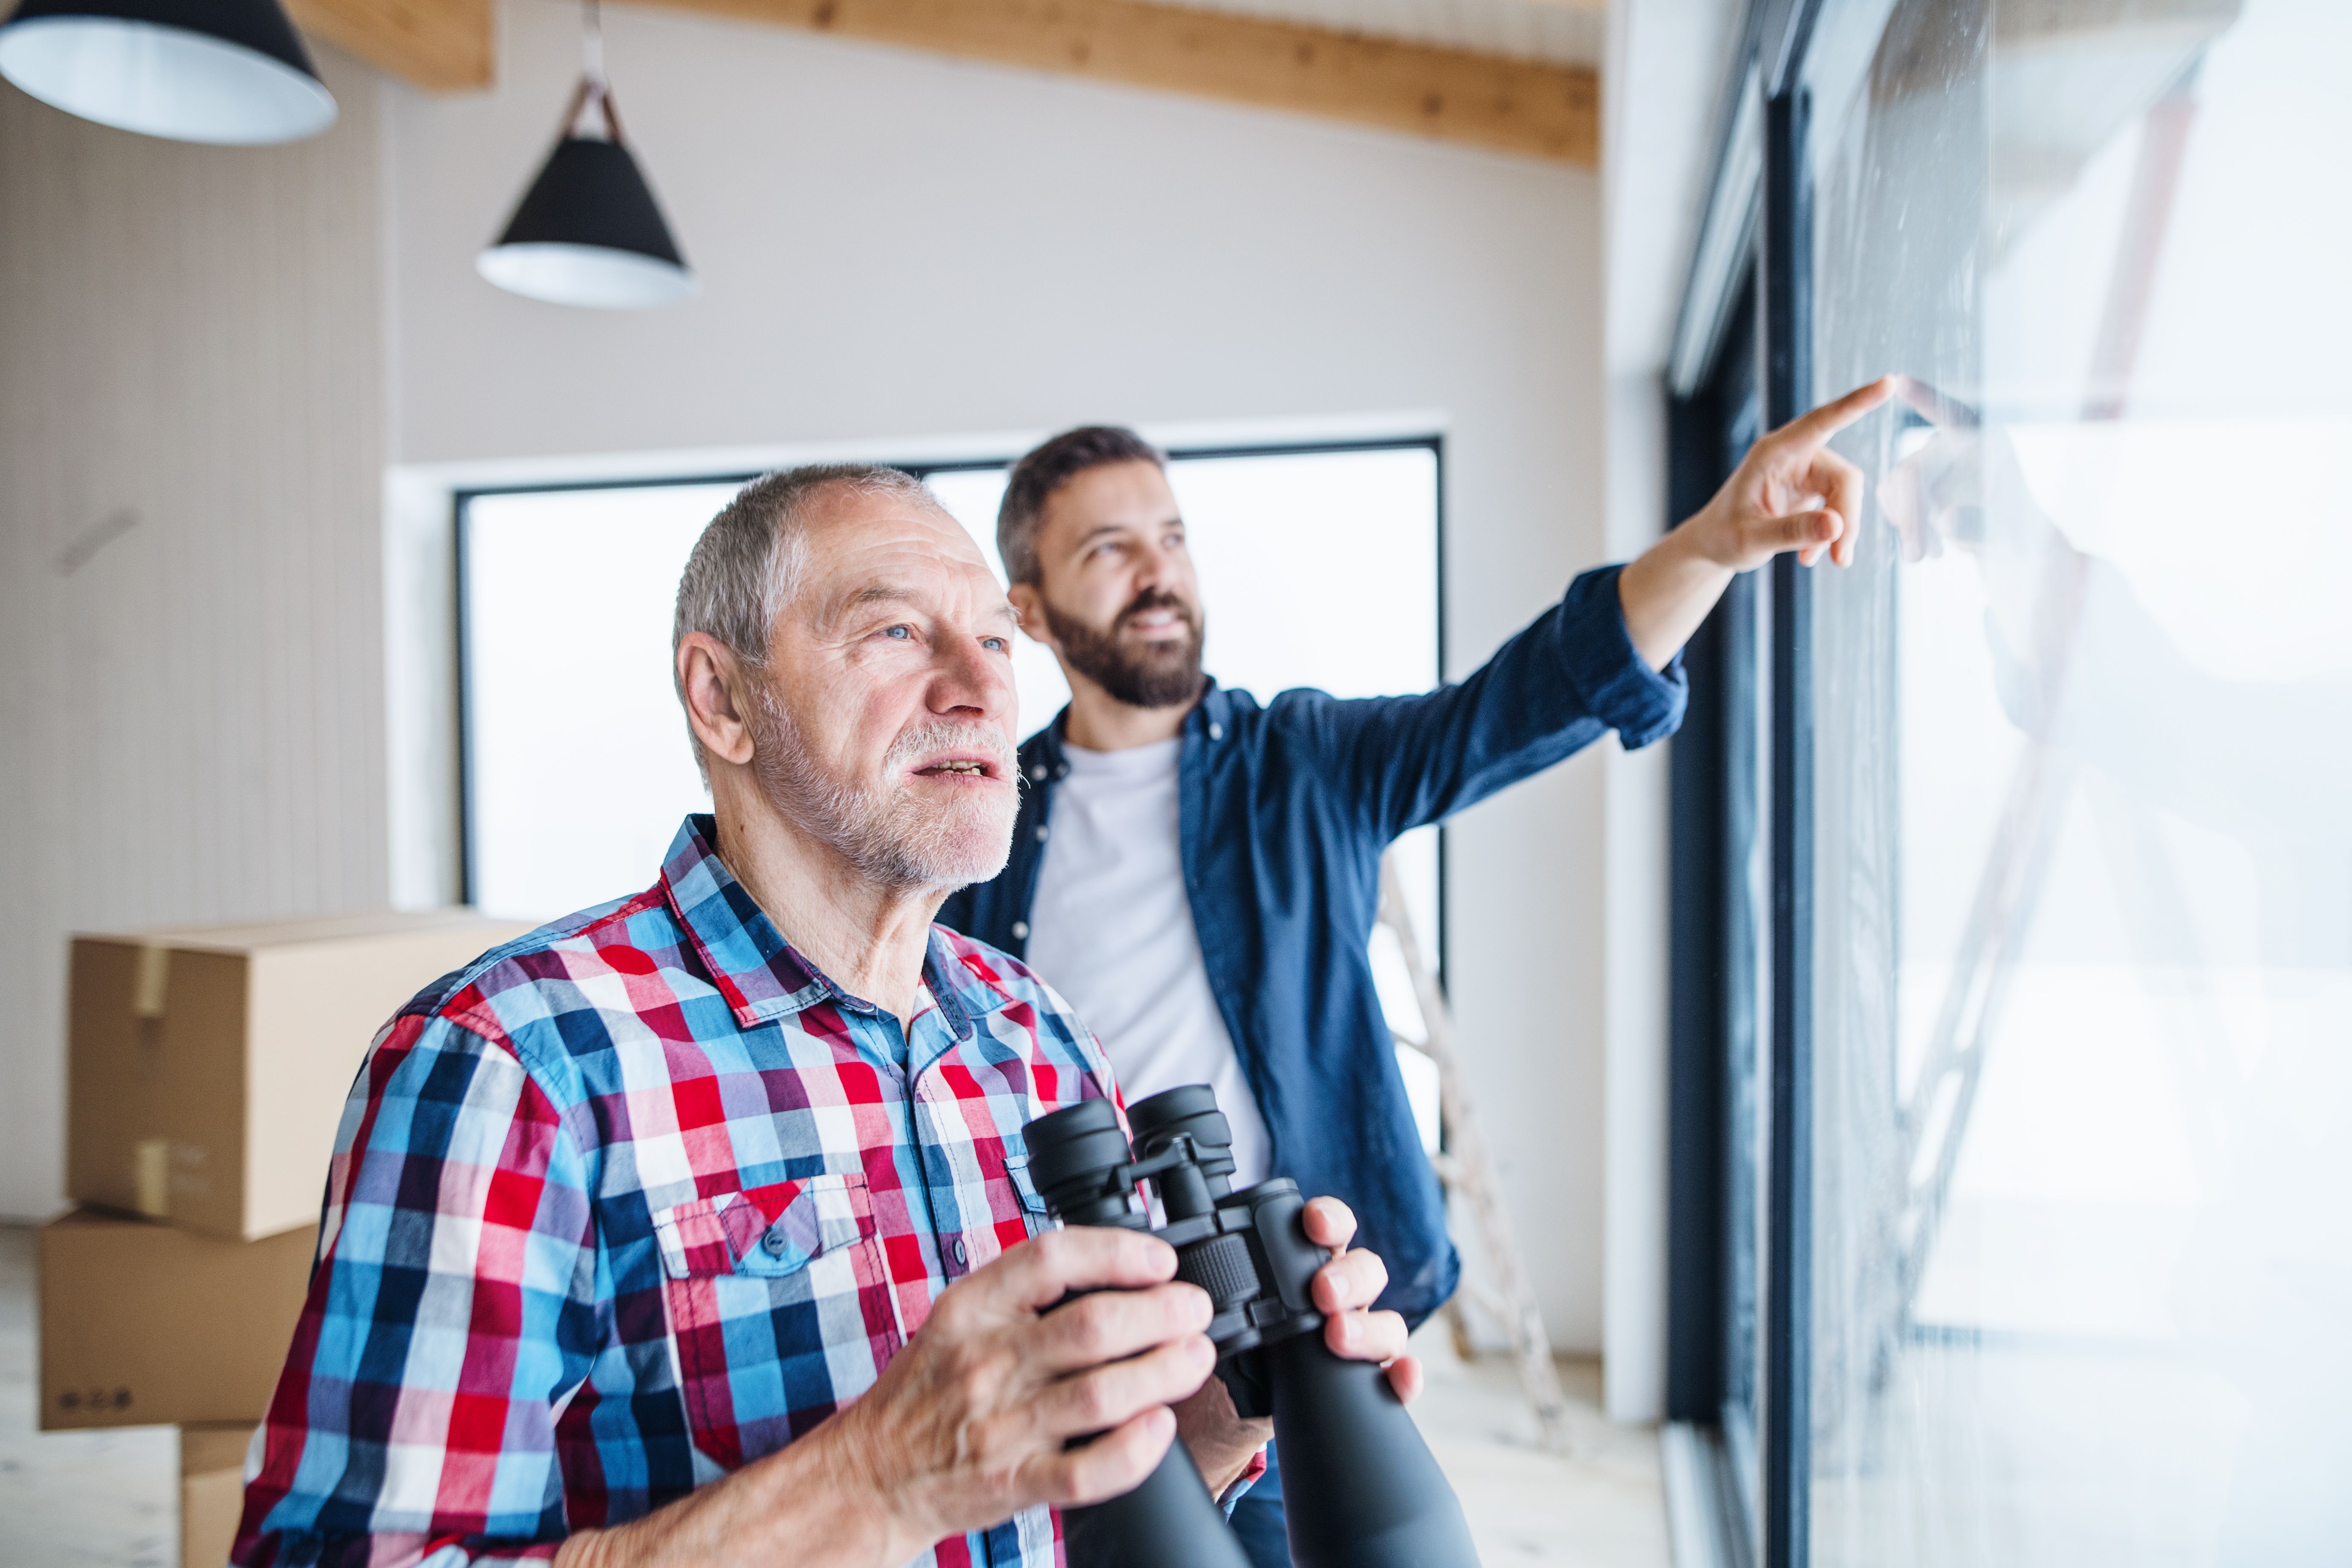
(749, 563)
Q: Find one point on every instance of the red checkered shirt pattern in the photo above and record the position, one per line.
(632, 1202)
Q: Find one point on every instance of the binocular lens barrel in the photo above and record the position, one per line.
(1072, 1153)
(1168, 1521)
(1359, 1487)
(1361, 1490)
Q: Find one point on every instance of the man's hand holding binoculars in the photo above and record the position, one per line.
(1222, 1443)
(972, 1422)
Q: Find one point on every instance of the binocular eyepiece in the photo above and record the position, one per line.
(1361, 1488)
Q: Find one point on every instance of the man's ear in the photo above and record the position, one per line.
(717, 698)
(1029, 604)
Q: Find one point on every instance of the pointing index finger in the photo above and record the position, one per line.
(1812, 428)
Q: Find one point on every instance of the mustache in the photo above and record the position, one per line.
(945, 735)
(1157, 599)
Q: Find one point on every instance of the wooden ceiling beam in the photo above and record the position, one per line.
(442, 46)
(1528, 107)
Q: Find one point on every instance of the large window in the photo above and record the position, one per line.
(2073, 1212)
(1318, 567)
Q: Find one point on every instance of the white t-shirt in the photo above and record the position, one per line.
(1112, 931)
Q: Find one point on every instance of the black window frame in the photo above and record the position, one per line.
(1759, 305)
(461, 501)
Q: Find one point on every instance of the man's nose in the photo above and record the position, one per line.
(1154, 566)
(971, 678)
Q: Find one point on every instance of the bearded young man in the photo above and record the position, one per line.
(696, 1228)
(1200, 873)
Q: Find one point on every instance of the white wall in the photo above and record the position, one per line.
(895, 246)
(896, 250)
(191, 713)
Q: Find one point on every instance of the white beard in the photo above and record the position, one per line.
(889, 837)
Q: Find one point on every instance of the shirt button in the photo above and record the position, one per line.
(1021, 931)
(1038, 773)
(772, 1244)
(957, 1248)
(1041, 832)
(1216, 731)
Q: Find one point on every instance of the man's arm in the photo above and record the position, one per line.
(1601, 660)
(968, 1425)
(1791, 492)
(453, 1317)
(450, 1317)
(971, 1423)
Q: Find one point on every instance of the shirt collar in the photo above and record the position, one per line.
(1050, 762)
(764, 977)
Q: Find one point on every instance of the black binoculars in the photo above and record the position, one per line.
(1359, 1488)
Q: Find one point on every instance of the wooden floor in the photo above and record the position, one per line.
(110, 1500)
(1600, 1505)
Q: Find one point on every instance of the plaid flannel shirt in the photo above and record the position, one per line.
(631, 1201)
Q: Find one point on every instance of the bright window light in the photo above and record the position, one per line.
(1318, 569)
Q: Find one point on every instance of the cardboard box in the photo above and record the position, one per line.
(211, 1491)
(208, 1070)
(145, 1324)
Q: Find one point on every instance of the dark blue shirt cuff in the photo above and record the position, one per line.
(1617, 683)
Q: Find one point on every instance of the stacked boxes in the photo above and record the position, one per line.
(142, 1324)
(211, 1490)
(206, 1074)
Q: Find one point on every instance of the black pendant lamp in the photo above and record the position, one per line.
(588, 231)
(229, 71)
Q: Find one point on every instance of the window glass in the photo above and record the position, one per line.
(1318, 569)
(1745, 896)
(2084, 719)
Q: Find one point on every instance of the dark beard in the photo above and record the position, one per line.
(1158, 675)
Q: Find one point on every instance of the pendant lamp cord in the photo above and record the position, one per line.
(592, 85)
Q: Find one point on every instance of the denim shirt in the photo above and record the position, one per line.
(1285, 808)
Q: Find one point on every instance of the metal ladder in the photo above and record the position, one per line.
(1468, 1172)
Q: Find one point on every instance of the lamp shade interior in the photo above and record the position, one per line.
(235, 73)
(588, 232)
(590, 275)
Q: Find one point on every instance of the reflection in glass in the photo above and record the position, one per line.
(2084, 1005)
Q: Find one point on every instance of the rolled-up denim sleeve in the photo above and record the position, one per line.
(1568, 677)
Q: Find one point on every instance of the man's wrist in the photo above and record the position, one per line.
(853, 1468)
(1251, 1469)
(1229, 1476)
(820, 1502)
(581, 1549)
(1703, 541)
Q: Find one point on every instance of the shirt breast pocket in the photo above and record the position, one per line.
(1029, 1204)
(780, 1309)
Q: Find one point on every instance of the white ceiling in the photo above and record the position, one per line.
(1567, 32)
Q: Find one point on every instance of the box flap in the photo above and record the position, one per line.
(255, 936)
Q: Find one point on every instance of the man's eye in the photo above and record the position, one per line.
(903, 633)
(998, 644)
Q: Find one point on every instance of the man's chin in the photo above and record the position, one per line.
(962, 864)
(953, 849)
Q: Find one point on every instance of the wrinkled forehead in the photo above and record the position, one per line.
(862, 550)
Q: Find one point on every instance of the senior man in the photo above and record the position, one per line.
(696, 1228)
(1199, 872)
